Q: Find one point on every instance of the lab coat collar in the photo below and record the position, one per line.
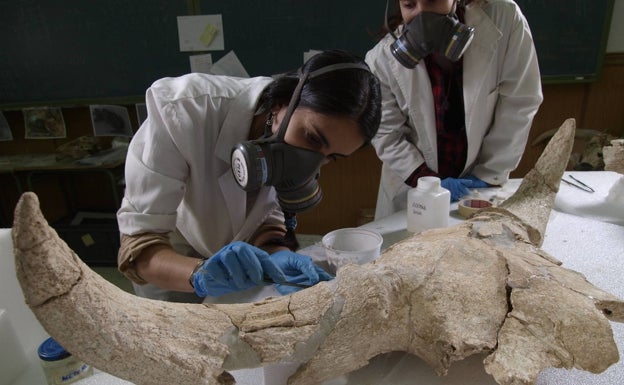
(244, 225)
(480, 53)
(237, 122)
(264, 206)
(235, 201)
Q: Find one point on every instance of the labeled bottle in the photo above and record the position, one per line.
(428, 205)
(59, 366)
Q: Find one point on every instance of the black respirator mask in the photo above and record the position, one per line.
(293, 171)
(431, 32)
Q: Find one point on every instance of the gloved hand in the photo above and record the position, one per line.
(298, 268)
(237, 266)
(476, 182)
(457, 187)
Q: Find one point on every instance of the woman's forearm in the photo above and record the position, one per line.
(162, 266)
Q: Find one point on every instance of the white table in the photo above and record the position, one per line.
(587, 241)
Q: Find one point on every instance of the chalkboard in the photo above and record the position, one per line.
(270, 36)
(75, 49)
(99, 50)
(570, 36)
(89, 51)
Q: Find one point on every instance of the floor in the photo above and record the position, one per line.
(113, 275)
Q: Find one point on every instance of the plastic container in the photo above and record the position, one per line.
(59, 366)
(428, 205)
(351, 245)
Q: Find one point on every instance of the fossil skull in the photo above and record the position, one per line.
(483, 286)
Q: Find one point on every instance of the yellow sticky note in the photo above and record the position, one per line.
(87, 240)
(208, 35)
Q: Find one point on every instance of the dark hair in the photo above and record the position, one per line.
(353, 93)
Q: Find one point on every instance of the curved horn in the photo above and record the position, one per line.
(534, 199)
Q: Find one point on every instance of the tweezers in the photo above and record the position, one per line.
(269, 280)
(581, 185)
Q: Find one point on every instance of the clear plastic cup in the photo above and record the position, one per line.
(351, 246)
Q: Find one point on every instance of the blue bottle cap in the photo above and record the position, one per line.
(50, 350)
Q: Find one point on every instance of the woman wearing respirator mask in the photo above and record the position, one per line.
(460, 85)
(217, 171)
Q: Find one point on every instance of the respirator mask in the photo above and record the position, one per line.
(430, 32)
(293, 171)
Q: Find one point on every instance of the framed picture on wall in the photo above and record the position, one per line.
(5, 130)
(141, 111)
(44, 123)
(110, 120)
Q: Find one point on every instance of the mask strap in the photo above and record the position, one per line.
(294, 100)
(303, 77)
(386, 26)
(338, 66)
(454, 7)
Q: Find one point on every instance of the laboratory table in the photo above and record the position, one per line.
(585, 232)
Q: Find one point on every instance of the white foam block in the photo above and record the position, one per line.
(12, 357)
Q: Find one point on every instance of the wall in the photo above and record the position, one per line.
(350, 185)
(616, 33)
(598, 106)
(92, 191)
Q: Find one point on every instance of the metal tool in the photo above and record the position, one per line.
(269, 280)
(580, 184)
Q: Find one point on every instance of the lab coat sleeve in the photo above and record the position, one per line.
(155, 173)
(390, 142)
(519, 97)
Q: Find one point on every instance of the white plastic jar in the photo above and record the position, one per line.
(428, 205)
(59, 366)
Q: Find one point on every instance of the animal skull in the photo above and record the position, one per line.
(443, 295)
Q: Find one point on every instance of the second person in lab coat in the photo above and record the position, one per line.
(460, 87)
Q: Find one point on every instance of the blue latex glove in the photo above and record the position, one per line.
(237, 266)
(457, 187)
(476, 182)
(298, 268)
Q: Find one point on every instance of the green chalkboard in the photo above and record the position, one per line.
(270, 36)
(75, 49)
(79, 52)
(89, 51)
(570, 36)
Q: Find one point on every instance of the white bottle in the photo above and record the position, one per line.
(428, 205)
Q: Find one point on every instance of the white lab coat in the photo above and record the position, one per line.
(178, 172)
(502, 93)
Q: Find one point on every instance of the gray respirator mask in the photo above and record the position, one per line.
(293, 171)
(430, 32)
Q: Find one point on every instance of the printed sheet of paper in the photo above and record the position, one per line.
(200, 33)
(5, 130)
(201, 63)
(109, 120)
(141, 111)
(44, 123)
(229, 65)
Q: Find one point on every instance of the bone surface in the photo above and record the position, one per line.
(614, 156)
(481, 287)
